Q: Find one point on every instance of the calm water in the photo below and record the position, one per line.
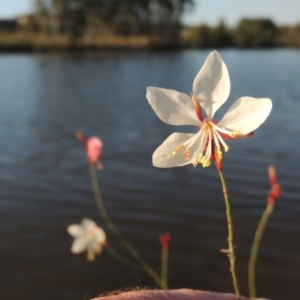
(44, 179)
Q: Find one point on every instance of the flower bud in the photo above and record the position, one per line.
(164, 240)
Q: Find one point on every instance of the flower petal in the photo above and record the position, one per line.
(88, 224)
(79, 245)
(212, 84)
(172, 107)
(163, 157)
(75, 230)
(100, 236)
(246, 114)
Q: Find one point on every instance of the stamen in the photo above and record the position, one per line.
(207, 126)
(202, 141)
(205, 161)
(234, 133)
(177, 149)
(187, 153)
(209, 145)
(219, 154)
(223, 130)
(199, 159)
(218, 149)
(226, 148)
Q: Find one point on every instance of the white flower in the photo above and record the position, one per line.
(88, 237)
(211, 89)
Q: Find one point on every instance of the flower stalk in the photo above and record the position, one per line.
(230, 251)
(274, 193)
(254, 250)
(102, 210)
(164, 241)
(121, 258)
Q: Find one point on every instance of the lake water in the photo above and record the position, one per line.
(45, 185)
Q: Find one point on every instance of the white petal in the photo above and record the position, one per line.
(212, 85)
(75, 230)
(88, 224)
(172, 107)
(246, 114)
(79, 245)
(163, 157)
(100, 236)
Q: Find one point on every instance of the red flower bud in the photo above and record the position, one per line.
(164, 240)
(275, 190)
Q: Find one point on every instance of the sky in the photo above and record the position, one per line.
(282, 12)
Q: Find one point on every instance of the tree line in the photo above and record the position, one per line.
(91, 17)
(249, 33)
(148, 23)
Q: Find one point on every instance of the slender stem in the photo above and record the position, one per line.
(145, 265)
(164, 267)
(121, 258)
(254, 250)
(230, 251)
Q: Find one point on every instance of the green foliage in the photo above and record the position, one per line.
(248, 34)
(158, 20)
(256, 33)
(208, 37)
(124, 16)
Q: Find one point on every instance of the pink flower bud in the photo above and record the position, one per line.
(93, 148)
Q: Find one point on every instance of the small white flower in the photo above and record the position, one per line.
(211, 89)
(88, 237)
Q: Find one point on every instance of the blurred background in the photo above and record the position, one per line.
(85, 65)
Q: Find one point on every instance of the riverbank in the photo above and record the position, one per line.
(15, 42)
(196, 37)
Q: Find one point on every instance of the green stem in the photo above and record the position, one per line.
(164, 267)
(230, 250)
(254, 250)
(144, 264)
(121, 258)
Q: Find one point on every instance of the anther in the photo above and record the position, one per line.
(234, 133)
(219, 154)
(187, 154)
(205, 161)
(177, 149)
(195, 163)
(199, 159)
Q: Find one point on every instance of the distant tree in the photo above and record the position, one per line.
(220, 36)
(203, 36)
(200, 36)
(139, 15)
(126, 16)
(256, 33)
(40, 21)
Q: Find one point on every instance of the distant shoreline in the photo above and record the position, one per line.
(250, 34)
(126, 45)
(18, 42)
